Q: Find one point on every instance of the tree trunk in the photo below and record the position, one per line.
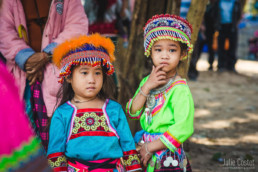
(173, 7)
(195, 18)
(133, 59)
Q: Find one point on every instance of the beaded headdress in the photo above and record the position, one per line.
(167, 26)
(91, 50)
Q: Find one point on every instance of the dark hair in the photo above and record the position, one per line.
(183, 47)
(66, 93)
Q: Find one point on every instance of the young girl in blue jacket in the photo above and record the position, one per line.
(88, 131)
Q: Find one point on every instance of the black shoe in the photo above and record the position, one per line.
(232, 71)
(210, 68)
(192, 77)
(221, 70)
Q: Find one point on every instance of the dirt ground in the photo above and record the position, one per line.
(226, 119)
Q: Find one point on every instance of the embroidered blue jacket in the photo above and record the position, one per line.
(91, 136)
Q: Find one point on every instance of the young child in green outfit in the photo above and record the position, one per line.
(163, 102)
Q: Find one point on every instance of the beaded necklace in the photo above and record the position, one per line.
(152, 101)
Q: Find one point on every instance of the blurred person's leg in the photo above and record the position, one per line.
(193, 73)
(209, 36)
(231, 60)
(221, 51)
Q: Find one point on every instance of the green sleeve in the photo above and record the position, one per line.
(138, 114)
(183, 111)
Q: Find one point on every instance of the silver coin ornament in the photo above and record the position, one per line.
(158, 165)
(166, 163)
(147, 111)
(169, 159)
(149, 119)
(151, 101)
(184, 162)
(181, 165)
(152, 163)
(175, 163)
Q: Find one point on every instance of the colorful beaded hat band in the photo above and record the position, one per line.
(94, 50)
(167, 26)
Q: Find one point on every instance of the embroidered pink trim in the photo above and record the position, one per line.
(172, 139)
(71, 124)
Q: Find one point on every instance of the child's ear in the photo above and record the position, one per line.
(183, 54)
(68, 79)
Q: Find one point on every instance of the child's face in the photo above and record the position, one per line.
(86, 81)
(167, 53)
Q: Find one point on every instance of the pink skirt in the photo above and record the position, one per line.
(79, 167)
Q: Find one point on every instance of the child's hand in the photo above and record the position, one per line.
(145, 154)
(138, 147)
(156, 78)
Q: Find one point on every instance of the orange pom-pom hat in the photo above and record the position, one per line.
(94, 50)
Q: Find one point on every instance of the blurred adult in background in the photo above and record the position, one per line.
(20, 150)
(199, 44)
(205, 36)
(209, 21)
(229, 13)
(29, 31)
